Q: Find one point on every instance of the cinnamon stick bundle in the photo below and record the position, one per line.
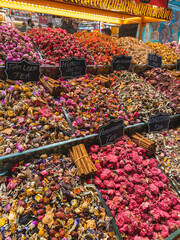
(175, 73)
(11, 81)
(105, 81)
(145, 143)
(82, 161)
(51, 85)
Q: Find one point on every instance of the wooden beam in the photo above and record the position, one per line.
(67, 9)
(142, 25)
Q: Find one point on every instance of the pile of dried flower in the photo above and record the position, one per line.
(29, 117)
(135, 48)
(138, 97)
(136, 191)
(89, 104)
(165, 84)
(167, 153)
(45, 199)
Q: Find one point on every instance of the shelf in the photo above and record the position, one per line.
(124, 14)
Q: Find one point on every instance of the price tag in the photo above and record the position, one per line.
(110, 132)
(154, 60)
(72, 67)
(22, 70)
(178, 65)
(159, 122)
(122, 62)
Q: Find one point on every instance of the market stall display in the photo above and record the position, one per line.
(167, 153)
(138, 97)
(174, 45)
(56, 43)
(136, 191)
(169, 56)
(29, 117)
(63, 186)
(101, 47)
(89, 104)
(135, 48)
(46, 199)
(166, 84)
(14, 46)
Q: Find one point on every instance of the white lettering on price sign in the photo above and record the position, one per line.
(110, 132)
(22, 70)
(159, 122)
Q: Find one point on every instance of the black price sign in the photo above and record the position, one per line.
(73, 67)
(121, 63)
(178, 65)
(154, 60)
(159, 122)
(110, 132)
(22, 70)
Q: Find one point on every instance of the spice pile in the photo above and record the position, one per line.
(139, 97)
(166, 84)
(167, 153)
(169, 56)
(90, 105)
(135, 48)
(136, 191)
(174, 46)
(29, 117)
(45, 199)
(101, 47)
(14, 46)
(56, 43)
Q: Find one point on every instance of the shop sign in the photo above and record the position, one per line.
(122, 62)
(178, 65)
(159, 3)
(154, 60)
(111, 132)
(159, 122)
(72, 67)
(22, 70)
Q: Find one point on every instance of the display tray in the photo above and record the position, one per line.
(100, 69)
(7, 161)
(174, 121)
(53, 70)
(174, 236)
(64, 149)
(141, 68)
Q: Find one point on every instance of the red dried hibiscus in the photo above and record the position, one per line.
(137, 193)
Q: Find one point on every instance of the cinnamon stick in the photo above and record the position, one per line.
(145, 143)
(85, 168)
(76, 163)
(85, 160)
(51, 85)
(82, 160)
(88, 160)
